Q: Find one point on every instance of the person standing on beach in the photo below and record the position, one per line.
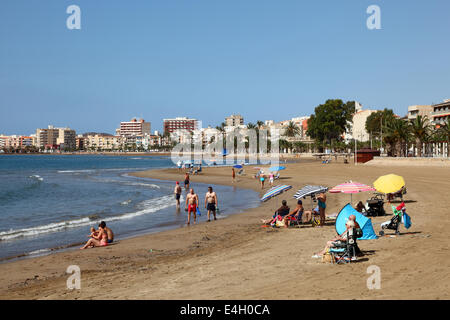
(233, 175)
(191, 205)
(186, 181)
(261, 179)
(177, 193)
(211, 202)
(321, 199)
(271, 179)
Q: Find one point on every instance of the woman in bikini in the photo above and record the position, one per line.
(101, 240)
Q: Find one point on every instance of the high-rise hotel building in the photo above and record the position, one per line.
(180, 123)
(134, 128)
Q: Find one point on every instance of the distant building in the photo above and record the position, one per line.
(180, 124)
(62, 138)
(358, 125)
(104, 142)
(234, 120)
(441, 112)
(134, 128)
(416, 110)
(80, 142)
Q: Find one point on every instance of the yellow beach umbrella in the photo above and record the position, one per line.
(390, 183)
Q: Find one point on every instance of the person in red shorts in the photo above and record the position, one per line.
(191, 205)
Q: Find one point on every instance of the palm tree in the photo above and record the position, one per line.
(420, 129)
(292, 130)
(251, 126)
(259, 123)
(397, 135)
(444, 132)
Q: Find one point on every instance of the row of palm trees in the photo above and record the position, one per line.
(419, 134)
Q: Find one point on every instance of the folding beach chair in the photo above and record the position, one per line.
(347, 251)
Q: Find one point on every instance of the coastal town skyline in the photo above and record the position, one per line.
(191, 61)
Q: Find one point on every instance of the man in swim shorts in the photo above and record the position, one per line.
(211, 202)
(191, 205)
(108, 231)
(177, 193)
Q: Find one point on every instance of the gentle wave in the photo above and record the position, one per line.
(98, 170)
(37, 177)
(146, 207)
(130, 183)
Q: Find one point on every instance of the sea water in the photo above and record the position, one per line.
(51, 201)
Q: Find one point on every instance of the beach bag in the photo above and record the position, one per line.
(406, 220)
(280, 223)
(358, 233)
(327, 258)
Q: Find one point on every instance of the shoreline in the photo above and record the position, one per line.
(72, 246)
(208, 260)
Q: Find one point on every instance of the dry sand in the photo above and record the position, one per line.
(235, 258)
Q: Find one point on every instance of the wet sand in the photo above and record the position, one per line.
(236, 258)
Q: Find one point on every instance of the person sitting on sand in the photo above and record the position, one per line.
(279, 214)
(360, 207)
(108, 231)
(299, 214)
(94, 233)
(101, 240)
(338, 240)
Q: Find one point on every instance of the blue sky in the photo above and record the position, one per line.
(208, 59)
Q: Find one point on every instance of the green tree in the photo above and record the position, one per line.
(444, 133)
(397, 135)
(420, 129)
(377, 119)
(330, 121)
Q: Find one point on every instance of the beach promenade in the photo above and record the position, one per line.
(236, 258)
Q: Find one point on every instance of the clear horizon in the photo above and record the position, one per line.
(210, 59)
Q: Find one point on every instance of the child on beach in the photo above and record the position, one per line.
(271, 179)
(94, 233)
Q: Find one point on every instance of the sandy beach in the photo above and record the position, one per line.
(236, 258)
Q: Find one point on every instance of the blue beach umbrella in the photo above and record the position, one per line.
(275, 191)
(364, 222)
(277, 168)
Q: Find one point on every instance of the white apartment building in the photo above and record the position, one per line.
(134, 128)
(358, 125)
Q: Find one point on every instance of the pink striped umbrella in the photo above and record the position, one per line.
(351, 187)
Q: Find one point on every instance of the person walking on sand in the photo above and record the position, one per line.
(321, 199)
(186, 181)
(271, 179)
(261, 179)
(233, 175)
(211, 202)
(191, 205)
(177, 193)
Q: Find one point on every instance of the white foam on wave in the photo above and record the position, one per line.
(51, 227)
(130, 183)
(37, 177)
(97, 170)
(145, 207)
